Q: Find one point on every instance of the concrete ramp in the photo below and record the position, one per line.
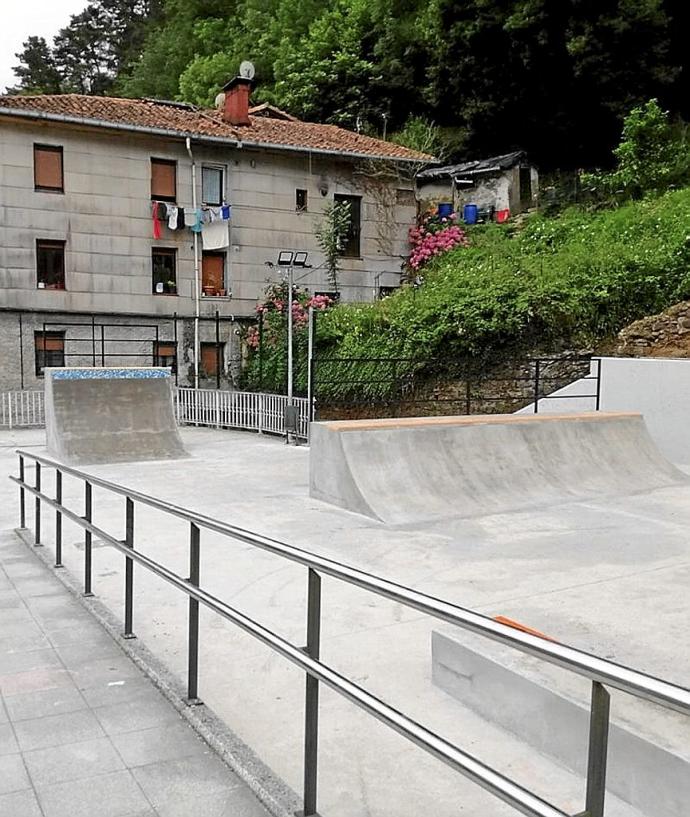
(411, 470)
(110, 415)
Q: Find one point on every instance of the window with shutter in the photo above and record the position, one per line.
(164, 354)
(212, 359)
(48, 174)
(50, 264)
(163, 180)
(49, 350)
(351, 243)
(212, 272)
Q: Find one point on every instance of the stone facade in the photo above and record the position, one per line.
(104, 218)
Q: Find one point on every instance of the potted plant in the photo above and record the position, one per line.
(171, 287)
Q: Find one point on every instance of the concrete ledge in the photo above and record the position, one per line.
(650, 778)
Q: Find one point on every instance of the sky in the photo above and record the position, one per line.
(22, 18)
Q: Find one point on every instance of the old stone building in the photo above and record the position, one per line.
(88, 275)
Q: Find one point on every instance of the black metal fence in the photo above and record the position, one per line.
(376, 387)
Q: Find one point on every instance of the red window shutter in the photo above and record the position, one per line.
(163, 180)
(48, 167)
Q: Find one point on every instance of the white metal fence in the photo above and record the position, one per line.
(204, 407)
(253, 411)
(21, 409)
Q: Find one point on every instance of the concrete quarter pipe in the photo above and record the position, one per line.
(110, 415)
(411, 470)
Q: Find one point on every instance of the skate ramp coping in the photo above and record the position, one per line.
(110, 415)
(411, 470)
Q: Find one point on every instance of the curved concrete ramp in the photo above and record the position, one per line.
(110, 415)
(403, 471)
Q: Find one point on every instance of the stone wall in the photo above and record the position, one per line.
(664, 335)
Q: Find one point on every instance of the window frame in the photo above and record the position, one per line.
(49, 244)
(40, 365)
(158, 357)
(303, 193)
(156, 160)
(217, 169)
(169, 252)
(353, 243)
(215, 254)
(42, 188)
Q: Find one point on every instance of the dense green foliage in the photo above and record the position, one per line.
(566, 280)
(553, 77)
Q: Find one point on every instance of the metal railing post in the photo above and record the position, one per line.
(37, 508)
(598, 398)
(537, 366)
(88, 538)
(311, 707)
(22, 497)
(129, 568)
(193, 640)
(58, 518)
(598, 749)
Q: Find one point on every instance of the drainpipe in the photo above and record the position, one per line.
(197, 293)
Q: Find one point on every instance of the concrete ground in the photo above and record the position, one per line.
(608, 576)
(82, 731)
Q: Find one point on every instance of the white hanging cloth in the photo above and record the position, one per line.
(216, 235)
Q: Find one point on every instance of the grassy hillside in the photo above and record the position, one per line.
(555, 282)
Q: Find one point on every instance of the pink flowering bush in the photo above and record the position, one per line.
(434, 236)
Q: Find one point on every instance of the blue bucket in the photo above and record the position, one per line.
(470, 213)
(445, 210)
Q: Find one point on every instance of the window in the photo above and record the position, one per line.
(301, 200)
(50, 264)
(212, 356)
(48, 175)
(165, 354)
(212, 186)
(405, 198)
(50, 350)
(351, 247)
(164, 264)
(163, 180)
(213, 273)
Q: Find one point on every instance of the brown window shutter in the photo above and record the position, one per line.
(163, 180)
(209, 359)
(48, 168)
(212, 271)
(49, 343)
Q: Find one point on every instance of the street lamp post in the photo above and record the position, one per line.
(289, 260)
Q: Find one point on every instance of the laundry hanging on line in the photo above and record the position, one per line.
(216, 235)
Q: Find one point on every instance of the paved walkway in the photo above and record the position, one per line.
(82, 731)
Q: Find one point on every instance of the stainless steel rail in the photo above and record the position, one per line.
(599, 671)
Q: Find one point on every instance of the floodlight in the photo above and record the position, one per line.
(301, 259)
(285, 258)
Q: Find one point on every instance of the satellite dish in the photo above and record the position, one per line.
(247, 69)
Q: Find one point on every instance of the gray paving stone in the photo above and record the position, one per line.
(44, 702)
(49, 678)
(13, 776)
(141, 713)
(104, 670)
(23, 641)
(8, 743)
(72, 761)
(13, 662)
(4, 717)
(19, 804)
(77, 654)
(178, 784)
(87, 631)
(170, 742)
(36, 586)
(22, 626)
(108, 795)
(111, 692)
(57, 730)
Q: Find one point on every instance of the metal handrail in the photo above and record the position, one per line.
(599, 671)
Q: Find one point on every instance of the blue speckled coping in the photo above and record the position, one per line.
(109, 374)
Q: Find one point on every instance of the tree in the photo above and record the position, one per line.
(37, 71)
(331, 233)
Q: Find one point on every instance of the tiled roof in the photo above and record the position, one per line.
(186, 120)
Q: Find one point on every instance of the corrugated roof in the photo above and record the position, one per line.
(173, 119)
(493, 164)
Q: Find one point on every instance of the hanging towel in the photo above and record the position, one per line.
(172, 217)
(162, 211)
(216, 236)
(206, 215)
(180, 218)
(225, 212)
(198, 221)
(156, 223)
(216, 214)
(190, 219)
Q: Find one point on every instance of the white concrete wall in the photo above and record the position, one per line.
(104, 216)
(659, 388)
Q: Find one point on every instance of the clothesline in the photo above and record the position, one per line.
(211, 222)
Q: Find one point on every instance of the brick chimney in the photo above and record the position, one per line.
(236, 105)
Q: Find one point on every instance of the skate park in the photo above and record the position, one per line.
(577, 532)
